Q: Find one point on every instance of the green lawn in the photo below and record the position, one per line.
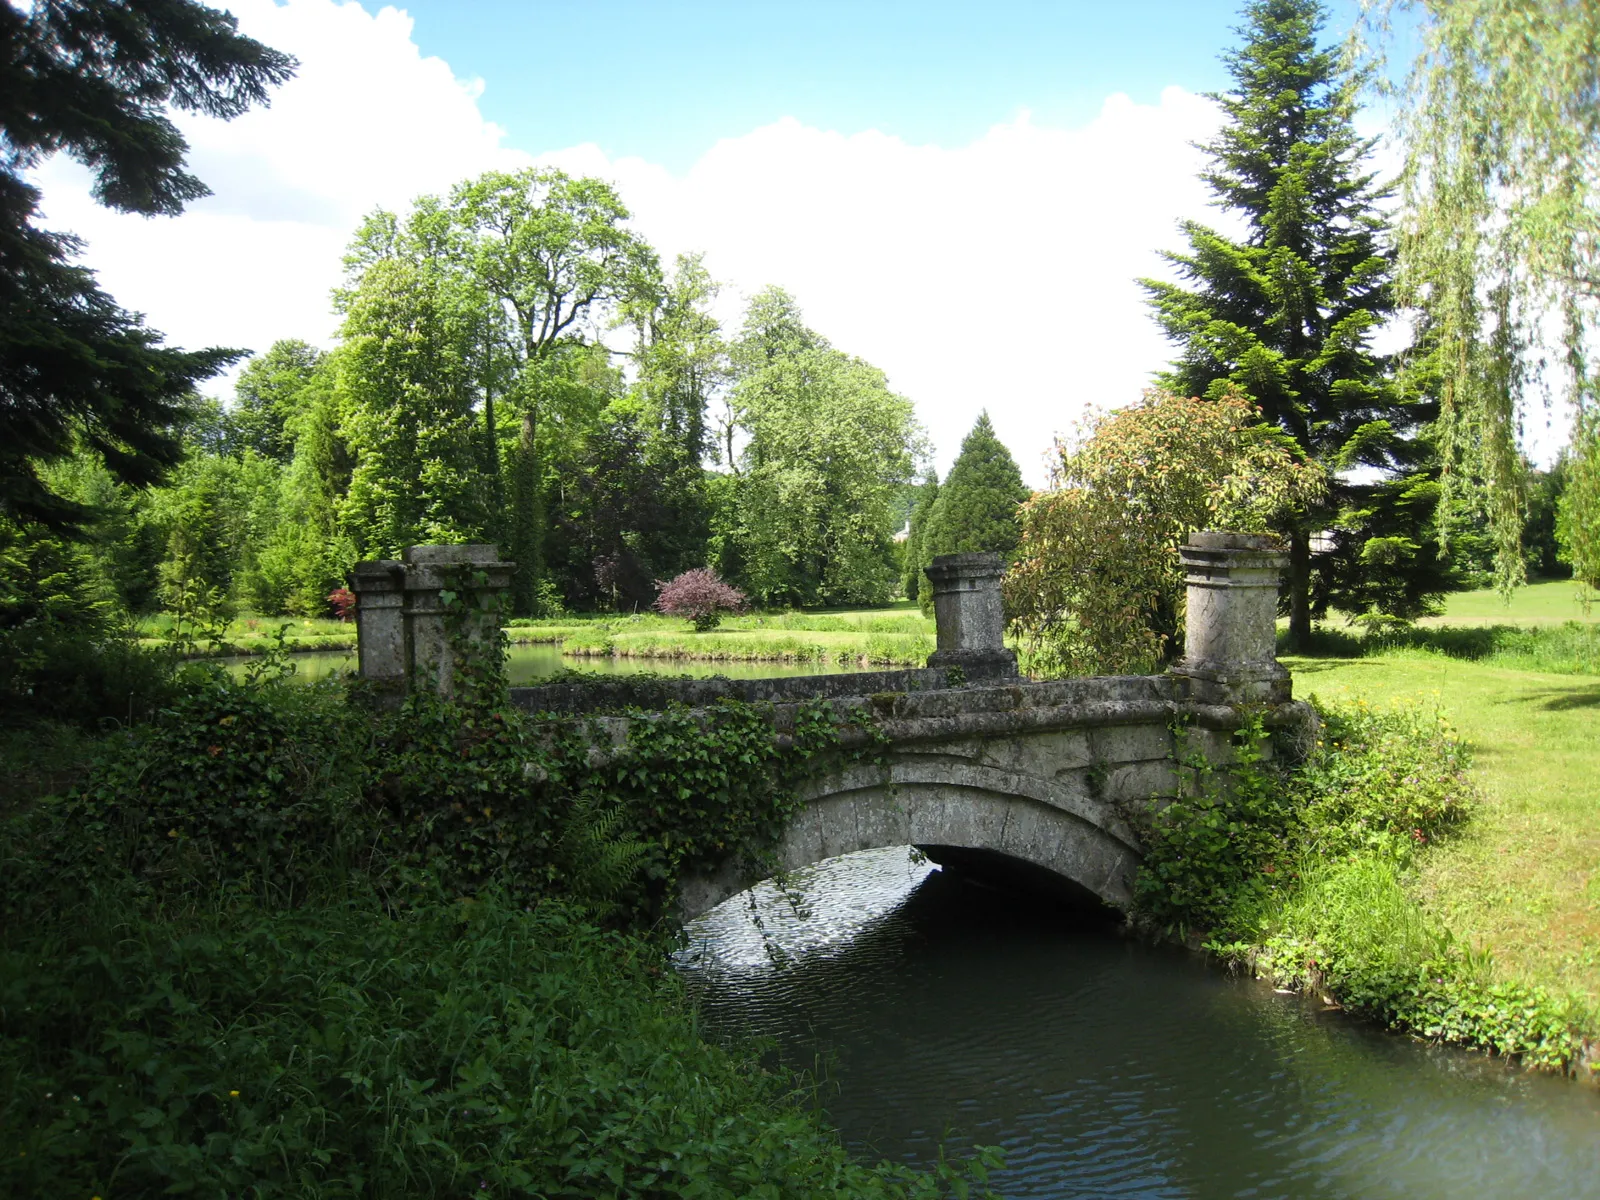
(894, 636)
(1550, 602)
(1523, 881)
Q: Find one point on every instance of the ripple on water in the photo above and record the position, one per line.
(944, 1011)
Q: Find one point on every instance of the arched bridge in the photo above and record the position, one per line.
(979, 766)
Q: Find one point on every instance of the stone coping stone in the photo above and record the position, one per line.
(654, 691)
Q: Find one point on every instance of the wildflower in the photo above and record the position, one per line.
(234, 1094)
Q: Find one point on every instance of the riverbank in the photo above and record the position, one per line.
(1521, 880)
(1482, 929)
(899, 636)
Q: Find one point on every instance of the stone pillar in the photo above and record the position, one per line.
(477, 581)
(1230, 641)
(379, 589)
(969, 616)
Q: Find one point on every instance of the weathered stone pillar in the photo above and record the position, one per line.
(379, 589)
(444, 584)
(1230, 643)
(969, 616)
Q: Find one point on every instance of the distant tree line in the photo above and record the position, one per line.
(514, 366)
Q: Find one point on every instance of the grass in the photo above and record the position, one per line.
(1548, 602)
(1523, 881)
(250, 634)
(898, 636)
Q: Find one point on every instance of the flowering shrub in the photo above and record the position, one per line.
(343, 601)
(701, 596)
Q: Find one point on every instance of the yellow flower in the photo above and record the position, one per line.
(234, 1094)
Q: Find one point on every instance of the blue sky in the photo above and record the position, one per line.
(666, 80)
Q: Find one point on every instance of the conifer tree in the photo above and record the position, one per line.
(927, 493)
(977, 507)
(1288, 312)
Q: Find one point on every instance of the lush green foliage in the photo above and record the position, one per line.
(976, 507)
(339, 1050)
(1097, 588)
(927, 495)
(1299, 868)
(1286, 314)
(281, 941)
(828, 446)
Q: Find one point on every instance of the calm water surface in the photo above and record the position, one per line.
(529, 664)
(940, 1009)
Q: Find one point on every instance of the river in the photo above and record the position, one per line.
(936, 1009)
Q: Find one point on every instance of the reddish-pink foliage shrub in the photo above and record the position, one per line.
(344, 602)
(701, 596)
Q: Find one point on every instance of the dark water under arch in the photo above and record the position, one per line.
(942, 1008)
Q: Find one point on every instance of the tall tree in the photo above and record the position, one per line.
(976, 508)
(267, 397)
(1288, 312)
(555, 255)
(1500, 235)
(407, 399)
(94, 78)
(828, 445)
(927, 495)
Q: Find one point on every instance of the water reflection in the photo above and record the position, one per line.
(1105, 1068)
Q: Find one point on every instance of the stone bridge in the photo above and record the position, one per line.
(1034, 782)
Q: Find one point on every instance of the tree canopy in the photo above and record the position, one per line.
(976, 507)
(94, 79)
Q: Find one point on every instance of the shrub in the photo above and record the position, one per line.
(701, 596)
(1097, 587)
(457, 1049)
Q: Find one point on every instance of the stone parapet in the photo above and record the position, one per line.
(410, 613)
(970, 617)
(1230, 640)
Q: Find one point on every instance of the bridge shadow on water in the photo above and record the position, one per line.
(972, 1005)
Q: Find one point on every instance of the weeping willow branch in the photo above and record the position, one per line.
(1500, 225)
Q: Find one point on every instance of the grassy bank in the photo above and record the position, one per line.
(878, 637)
(277, 941)
(252, 635)
(1334, 874)
(1521, 881)
(892, 637)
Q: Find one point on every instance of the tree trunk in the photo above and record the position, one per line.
(1300, 590)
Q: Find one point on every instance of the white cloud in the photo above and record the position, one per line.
(998, 274)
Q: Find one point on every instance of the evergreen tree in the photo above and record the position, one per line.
(1287, 313)
(93, 79)
(976, 509)
(927, 494)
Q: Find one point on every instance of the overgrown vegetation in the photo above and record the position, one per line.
(1302, 869)
(282, 939)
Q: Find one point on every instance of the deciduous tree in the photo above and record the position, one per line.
(1500, 235)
